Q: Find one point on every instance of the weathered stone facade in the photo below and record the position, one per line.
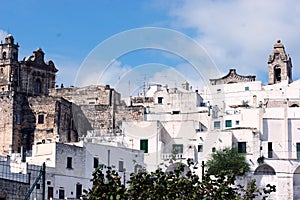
(28, 114)
(54, 119)
(6, 122)
(101, 105)
(279, 65)
(34, 111)
(232, 77)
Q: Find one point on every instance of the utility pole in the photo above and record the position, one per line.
(202, 166)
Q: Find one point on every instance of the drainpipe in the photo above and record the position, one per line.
(108, 158)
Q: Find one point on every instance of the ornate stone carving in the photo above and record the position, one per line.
(232, 77)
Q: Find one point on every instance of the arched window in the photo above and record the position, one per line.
(38, 86)
(4, 55)
(277, 74)
(14, 55)
(264, 170)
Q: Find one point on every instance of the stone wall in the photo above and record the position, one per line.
(100, 106)
(130, 113)
(6, 125)
(270, 103)
(98, 95)
(53, 119)
(12, 189)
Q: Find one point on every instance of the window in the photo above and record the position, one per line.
(61, 194)
(277, 73)
(228, 123)
(38, 186)
(178, 148)
(200, 148)
(1, 70)
(18, 119)
(50, 192)
(159, 100)
(69, 162)
(137, 168)
(217, 124)
(78, 190)
(237, 122)
(218, 90)
(298, 150)
(38, 86)
(96, 162)
(264, 170)
(213, 149)
(241, 147)
(247, 88)
(4, 55)
(121, 166)
(14, 55)
(40, 119)
(144, 145)
(270, 150)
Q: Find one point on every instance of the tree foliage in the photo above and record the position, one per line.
(227, 161)
(173, 185)
(106, 185)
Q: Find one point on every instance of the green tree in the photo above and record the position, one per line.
(173, 185)
(106, 186)
(227, 161)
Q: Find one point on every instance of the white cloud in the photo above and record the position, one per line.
(241, 34)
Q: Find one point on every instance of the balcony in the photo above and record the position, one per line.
(169, 156)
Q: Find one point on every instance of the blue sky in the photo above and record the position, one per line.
(235, 34)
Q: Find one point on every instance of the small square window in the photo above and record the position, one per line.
(200, 148)
(159, 100)
(178, 148)
(237, 122)
(69, 162)
(242, 147)
(247, 88)
(213, 149)
(40, 119)
(217, 124)
(228, 123)
(38, 186)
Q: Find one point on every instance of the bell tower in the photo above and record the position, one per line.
(9, 64)
(279, 65)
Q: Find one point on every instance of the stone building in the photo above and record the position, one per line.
(279, 65)
(28, 113)
(33, 110)
(101, 105)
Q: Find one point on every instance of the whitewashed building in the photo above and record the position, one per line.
(261, 121)
(69, 167)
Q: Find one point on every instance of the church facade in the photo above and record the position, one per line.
(35, 110)
(28, 112)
